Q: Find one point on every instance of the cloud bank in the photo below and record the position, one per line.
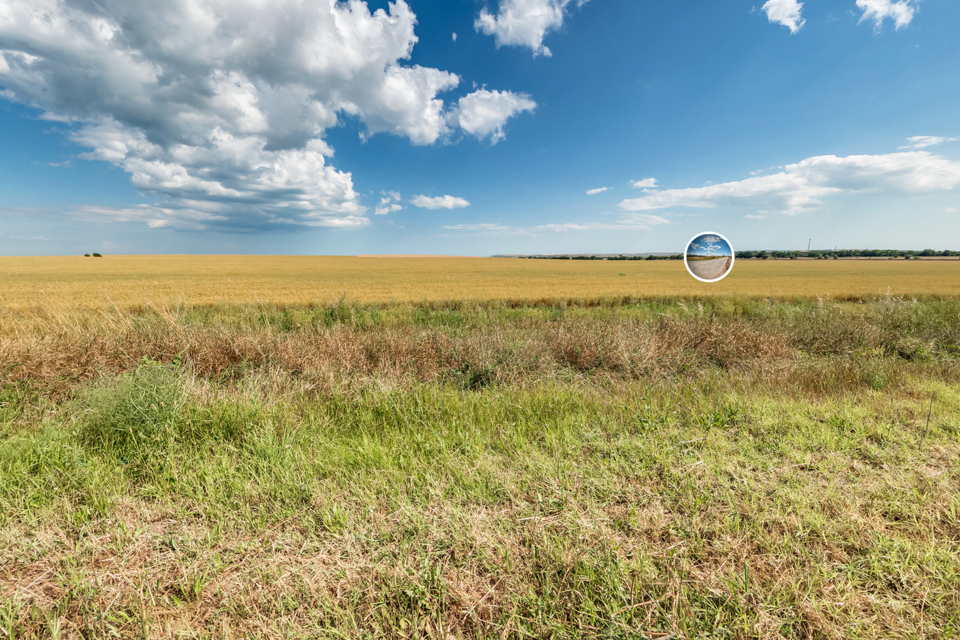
(633, 222)
(524, 23)
(218, 108)
(802, 186)
(785, 12)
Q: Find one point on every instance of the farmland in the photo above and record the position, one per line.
(477, 448)
(173, 280)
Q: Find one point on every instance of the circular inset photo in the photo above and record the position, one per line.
(709, 257)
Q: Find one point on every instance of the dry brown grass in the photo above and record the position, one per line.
(66, 353)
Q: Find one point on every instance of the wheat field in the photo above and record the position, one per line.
(135, 280)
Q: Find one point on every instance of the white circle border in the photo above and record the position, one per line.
(733, 255)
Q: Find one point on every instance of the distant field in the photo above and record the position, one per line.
(131, 280)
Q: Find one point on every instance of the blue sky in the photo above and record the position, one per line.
(216, 126)
(708, 244)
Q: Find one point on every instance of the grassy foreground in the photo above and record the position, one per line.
(724, 468)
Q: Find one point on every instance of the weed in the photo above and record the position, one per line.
(136, 418)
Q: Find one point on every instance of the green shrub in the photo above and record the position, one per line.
(136, 418)
(97, 255)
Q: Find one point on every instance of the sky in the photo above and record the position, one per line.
(476, 127)
(708, 244)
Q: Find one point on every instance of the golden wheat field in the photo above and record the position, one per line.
(172, 280)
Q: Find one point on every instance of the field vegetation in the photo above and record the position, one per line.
(31, 284)
(724, 467)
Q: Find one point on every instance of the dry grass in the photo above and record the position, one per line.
(728, 468)
(68, 355)
(173, 280)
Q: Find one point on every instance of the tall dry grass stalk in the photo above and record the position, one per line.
(69, 348)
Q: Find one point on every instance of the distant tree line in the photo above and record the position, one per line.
(676, 256)
(782, 255)
(845, 253)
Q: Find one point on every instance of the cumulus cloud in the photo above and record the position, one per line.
(646, 183)
(785, 12)
(219, 108)
(440, 202)
(524, 23)
(389, 203)
(900, 11)
(922, 142)
(483, 113)
(802, 186)
(593, 192)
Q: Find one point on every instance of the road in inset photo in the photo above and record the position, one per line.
(710, 269)
(708, 257)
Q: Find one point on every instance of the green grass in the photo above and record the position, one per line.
(809, 495)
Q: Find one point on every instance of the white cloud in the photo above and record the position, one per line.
(159, 217)
(593, 192)
(646, 183)
(900, 11)
(219, 108)
(384, 209)
(454, 36)
(487, 228)
(483, 113)
(951, 210)
(637, 222)
(634, 222)
(440, 202)
(785, 12)
(802, 186)
(389, 203)
(922, 142)
(755, 217)
(524, 23)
